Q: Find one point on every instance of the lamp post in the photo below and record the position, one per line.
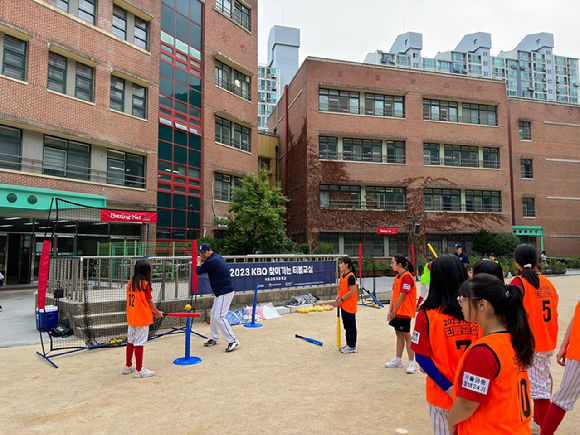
(416, 230)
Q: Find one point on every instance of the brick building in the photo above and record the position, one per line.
(78, 118)
(364, 146)
(208, 111)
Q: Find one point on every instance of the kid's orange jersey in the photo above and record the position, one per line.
(542, 307)
(138, 310)
(573, 351)
(349, 305)
(444, 339)
(408, 308)
(508, 405)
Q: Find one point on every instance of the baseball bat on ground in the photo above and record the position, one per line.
(310, 340)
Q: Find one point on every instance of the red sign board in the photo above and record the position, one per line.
(139, 217)
(388, 231)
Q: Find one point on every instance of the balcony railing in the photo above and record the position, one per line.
(71, 172)
(361, 157)
(358, 110)
(231, 86)
(481, 120)
(464, 163)
(363, 205)
(466, 208)
(230, 141)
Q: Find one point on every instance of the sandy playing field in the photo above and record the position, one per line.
(273, 383)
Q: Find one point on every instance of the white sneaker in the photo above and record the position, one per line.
(411, 367)
(395, 363)
(348, 349)
(343, 347)
(144, 373)
(128, 370)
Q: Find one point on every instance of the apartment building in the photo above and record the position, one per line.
(531, 70)
(363, 146)
(269, 92)
(78, 119)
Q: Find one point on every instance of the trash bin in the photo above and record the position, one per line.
(46, 322)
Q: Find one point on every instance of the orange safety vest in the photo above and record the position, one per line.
(350, 304)
(138, 310)
(542, 307)
(408, 308)
(449, 339)
(509, 409)
(573, 351)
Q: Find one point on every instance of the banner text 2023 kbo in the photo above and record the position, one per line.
(275, 275)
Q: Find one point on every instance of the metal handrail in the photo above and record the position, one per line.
(236, 143)
(463, 163)
(39, 166)
(359, 110)
(360, 157)
(367, 204)
(470, 208)
(230, 86)
(460, 118)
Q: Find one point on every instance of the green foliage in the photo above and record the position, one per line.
(304, 248)
(559, 266)
(216, 244)
(506, 244)
(368, 264)
(324, 249)
(484, 242)
(256, 218)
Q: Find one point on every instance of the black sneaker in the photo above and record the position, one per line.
(232, 346)
(1, 308)
(211, 342)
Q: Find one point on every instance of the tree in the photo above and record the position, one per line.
(484, 242)
(506, 244)
(256, 218)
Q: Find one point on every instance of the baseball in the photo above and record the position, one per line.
(187, 307)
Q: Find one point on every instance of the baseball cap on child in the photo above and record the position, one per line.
(204, 248)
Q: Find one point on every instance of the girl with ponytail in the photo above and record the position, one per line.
(541, 303)
(402, 310)
(491, 390)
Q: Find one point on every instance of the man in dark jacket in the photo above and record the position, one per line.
(218, 273)
(459, 252)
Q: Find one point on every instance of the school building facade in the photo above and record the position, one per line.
(364, 146)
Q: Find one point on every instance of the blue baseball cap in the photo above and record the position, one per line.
(204, 248)
(458, 245)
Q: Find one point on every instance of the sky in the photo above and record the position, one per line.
(349, 30)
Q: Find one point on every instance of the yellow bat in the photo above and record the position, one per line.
(432, 250)
(338, 328)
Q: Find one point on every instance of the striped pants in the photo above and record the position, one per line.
(439, 420)
(539, 373)
(218, 321)
(569, 391)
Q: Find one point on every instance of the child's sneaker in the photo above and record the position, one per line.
(411, 367)
(232, 346)
(211, 342)
(395, 363)
(348, 349)
(128, 370)
(144, 373)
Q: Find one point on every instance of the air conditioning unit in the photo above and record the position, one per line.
(274, 76)
(557, 91)
(523, 68)
(263, 100)
(383, 60)
(514, 67)
(576, 84)
(392, 62)
(464, 71)
(456, 70)
(530, 89)
(274, 89)
(543, 79)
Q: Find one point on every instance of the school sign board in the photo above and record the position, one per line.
(275, 275)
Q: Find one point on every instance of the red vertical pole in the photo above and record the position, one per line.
(193, 265)
(413, 258)
(43, 274)
(360, 262)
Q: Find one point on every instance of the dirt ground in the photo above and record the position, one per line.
(272, 384)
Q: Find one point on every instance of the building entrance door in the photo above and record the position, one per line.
(18, 259)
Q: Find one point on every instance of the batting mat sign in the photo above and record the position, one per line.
(272, 276)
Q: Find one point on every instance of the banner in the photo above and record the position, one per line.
(275, 275)
(128, 216)
(388, 231)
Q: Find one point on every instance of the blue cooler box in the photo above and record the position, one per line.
(46, 322)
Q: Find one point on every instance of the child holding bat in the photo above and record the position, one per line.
(346, 300)
(140, 312)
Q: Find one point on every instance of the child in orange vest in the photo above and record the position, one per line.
(541, 303)
(140, 312)
(346, 300)
(491, 390)
(403, 309)
(569, 392)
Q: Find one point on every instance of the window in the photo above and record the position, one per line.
(527, 169)
(140, 33)
(239, 13)
(385, 198)
(124, 169)
(525, 130)
(328, 148)
(117, 94)
(331, 100)
(398, 245)
(529, 207)
(87, 11)
(335, 196)
(119, 22)
(60, 4)
(362, 150)
(14, 61)
(442, 200)
(479, 114)
(491, 158)
(461, 155)
(440, 110)
(64, 158)
(84, 82)
(384, 105)
(223, 186)
(395, 152)
(139, 107)
(57, 73)
(431, 154)
(264, 164)
(232, 134)
(232, 80)
(331, 239)
(10, 147)
(482, 201)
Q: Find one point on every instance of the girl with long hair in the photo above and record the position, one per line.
(347, 300)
